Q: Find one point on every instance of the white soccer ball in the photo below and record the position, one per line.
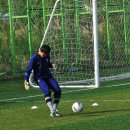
(77, 107)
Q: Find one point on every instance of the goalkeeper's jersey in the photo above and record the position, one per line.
(40, 66)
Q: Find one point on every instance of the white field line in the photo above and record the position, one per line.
(116, 85)
(116, 100)
(103, 100)
(97, 101)
(12, 99)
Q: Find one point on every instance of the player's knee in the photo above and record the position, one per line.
(56, 100)
(47, 94)
(57, 93)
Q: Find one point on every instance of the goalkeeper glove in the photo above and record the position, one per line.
(26, 85)
(54, 66)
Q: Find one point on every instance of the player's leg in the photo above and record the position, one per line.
(57, 92)
(47, 92)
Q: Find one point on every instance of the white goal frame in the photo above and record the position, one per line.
(95, 38)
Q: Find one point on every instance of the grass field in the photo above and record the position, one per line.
(113, 112)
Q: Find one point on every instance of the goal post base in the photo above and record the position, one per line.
(78, 86)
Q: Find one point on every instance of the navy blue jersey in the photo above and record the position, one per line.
(40, 66)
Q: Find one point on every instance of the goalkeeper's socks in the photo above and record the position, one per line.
(55, 106)
(49, 104)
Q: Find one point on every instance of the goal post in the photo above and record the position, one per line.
(49, 23)
(95, 35)
(63, 34)
(95, 47)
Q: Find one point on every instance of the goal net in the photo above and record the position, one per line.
(70, 35)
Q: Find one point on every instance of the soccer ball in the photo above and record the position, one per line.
(77, 107)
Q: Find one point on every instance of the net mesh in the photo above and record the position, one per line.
(70, 37)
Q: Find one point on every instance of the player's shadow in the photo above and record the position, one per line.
(96, 113)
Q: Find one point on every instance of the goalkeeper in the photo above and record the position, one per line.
(40, 64)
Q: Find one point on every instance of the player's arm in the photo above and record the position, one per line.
(27, 74)
(54, 66)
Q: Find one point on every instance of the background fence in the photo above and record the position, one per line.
(23, 23)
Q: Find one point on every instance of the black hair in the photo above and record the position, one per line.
(45, 48)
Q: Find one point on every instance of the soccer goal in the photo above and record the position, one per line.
(74, 42)
(89, 41)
